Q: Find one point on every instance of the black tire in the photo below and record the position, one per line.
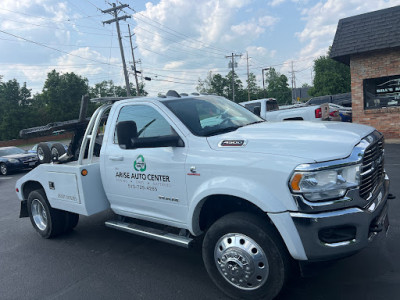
(245, 257)
(3, 169)
(43, 153)
(47, 221)
(72, 221)
(56, 151)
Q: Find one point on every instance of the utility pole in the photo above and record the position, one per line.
(232, 57)
(114, 11)
(248, 77)
(134, 62)
(293, 84)
(262, 73)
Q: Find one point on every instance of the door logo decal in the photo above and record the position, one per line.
(139, 164)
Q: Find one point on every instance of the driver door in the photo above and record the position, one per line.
(150, 182)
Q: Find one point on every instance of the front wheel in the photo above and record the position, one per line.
(3, 169)
(245, 257)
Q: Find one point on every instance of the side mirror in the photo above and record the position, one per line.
(257, 110)
(157, 142)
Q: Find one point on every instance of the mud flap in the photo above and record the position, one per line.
(23, 213)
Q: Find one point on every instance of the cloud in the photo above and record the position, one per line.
(274, 3)
(174, 65)
(322, 19)
(268, 21)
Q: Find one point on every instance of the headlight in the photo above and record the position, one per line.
(325, 184)
(13, 160)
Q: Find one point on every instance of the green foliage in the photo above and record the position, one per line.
(278, 87)
(252, 88)
(213, 84)
(331, 77)
(14, 104)
(216, 84)
(107, 88)
(59, 101)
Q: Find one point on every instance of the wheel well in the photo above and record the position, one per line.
(216, 206)
(30, 186)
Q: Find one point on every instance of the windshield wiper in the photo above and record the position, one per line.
(222, 130)
(256, 122)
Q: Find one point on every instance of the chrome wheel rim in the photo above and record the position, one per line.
(241, 261)
(39, 214)
(3, 169)
(40, 153)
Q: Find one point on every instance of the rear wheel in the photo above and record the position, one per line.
(47, 221)
(56, 151)
(43, 153)
(245, 257)
(3, 169)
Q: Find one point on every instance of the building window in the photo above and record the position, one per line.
(381, 92)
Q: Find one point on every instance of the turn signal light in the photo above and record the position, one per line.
(84, 172)
(296, 181)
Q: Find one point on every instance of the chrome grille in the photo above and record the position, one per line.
(372, 170)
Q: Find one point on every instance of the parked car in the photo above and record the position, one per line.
(48, 150)
(13, 159)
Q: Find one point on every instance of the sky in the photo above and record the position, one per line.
(177, 41)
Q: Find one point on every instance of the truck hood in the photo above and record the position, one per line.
(314, 141)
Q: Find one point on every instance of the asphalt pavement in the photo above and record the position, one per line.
(95, 262)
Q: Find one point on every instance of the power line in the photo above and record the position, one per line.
(55, 49)
(211, 47)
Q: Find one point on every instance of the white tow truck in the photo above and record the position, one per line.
(262, 195)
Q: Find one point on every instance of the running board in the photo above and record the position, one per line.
(152, 233)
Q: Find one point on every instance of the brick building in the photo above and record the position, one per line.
(370, 45)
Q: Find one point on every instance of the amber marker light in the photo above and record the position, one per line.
(296, 181)
(84, 172)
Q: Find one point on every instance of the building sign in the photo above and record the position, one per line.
(382, 92)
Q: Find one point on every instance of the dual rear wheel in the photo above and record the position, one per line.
(49, 222)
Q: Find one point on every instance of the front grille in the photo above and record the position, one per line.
(372, 170)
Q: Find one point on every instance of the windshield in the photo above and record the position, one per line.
(11, 151)
(211, 115)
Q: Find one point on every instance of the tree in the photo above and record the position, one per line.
(14, 108)
(107, 88)
(239, 93)
(278, 87)
(213, 84)
(331, 77)
(252, 87)
(62, 95)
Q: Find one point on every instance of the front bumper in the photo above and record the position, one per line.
(339, 233)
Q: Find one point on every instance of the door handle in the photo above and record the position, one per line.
(117, 158)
